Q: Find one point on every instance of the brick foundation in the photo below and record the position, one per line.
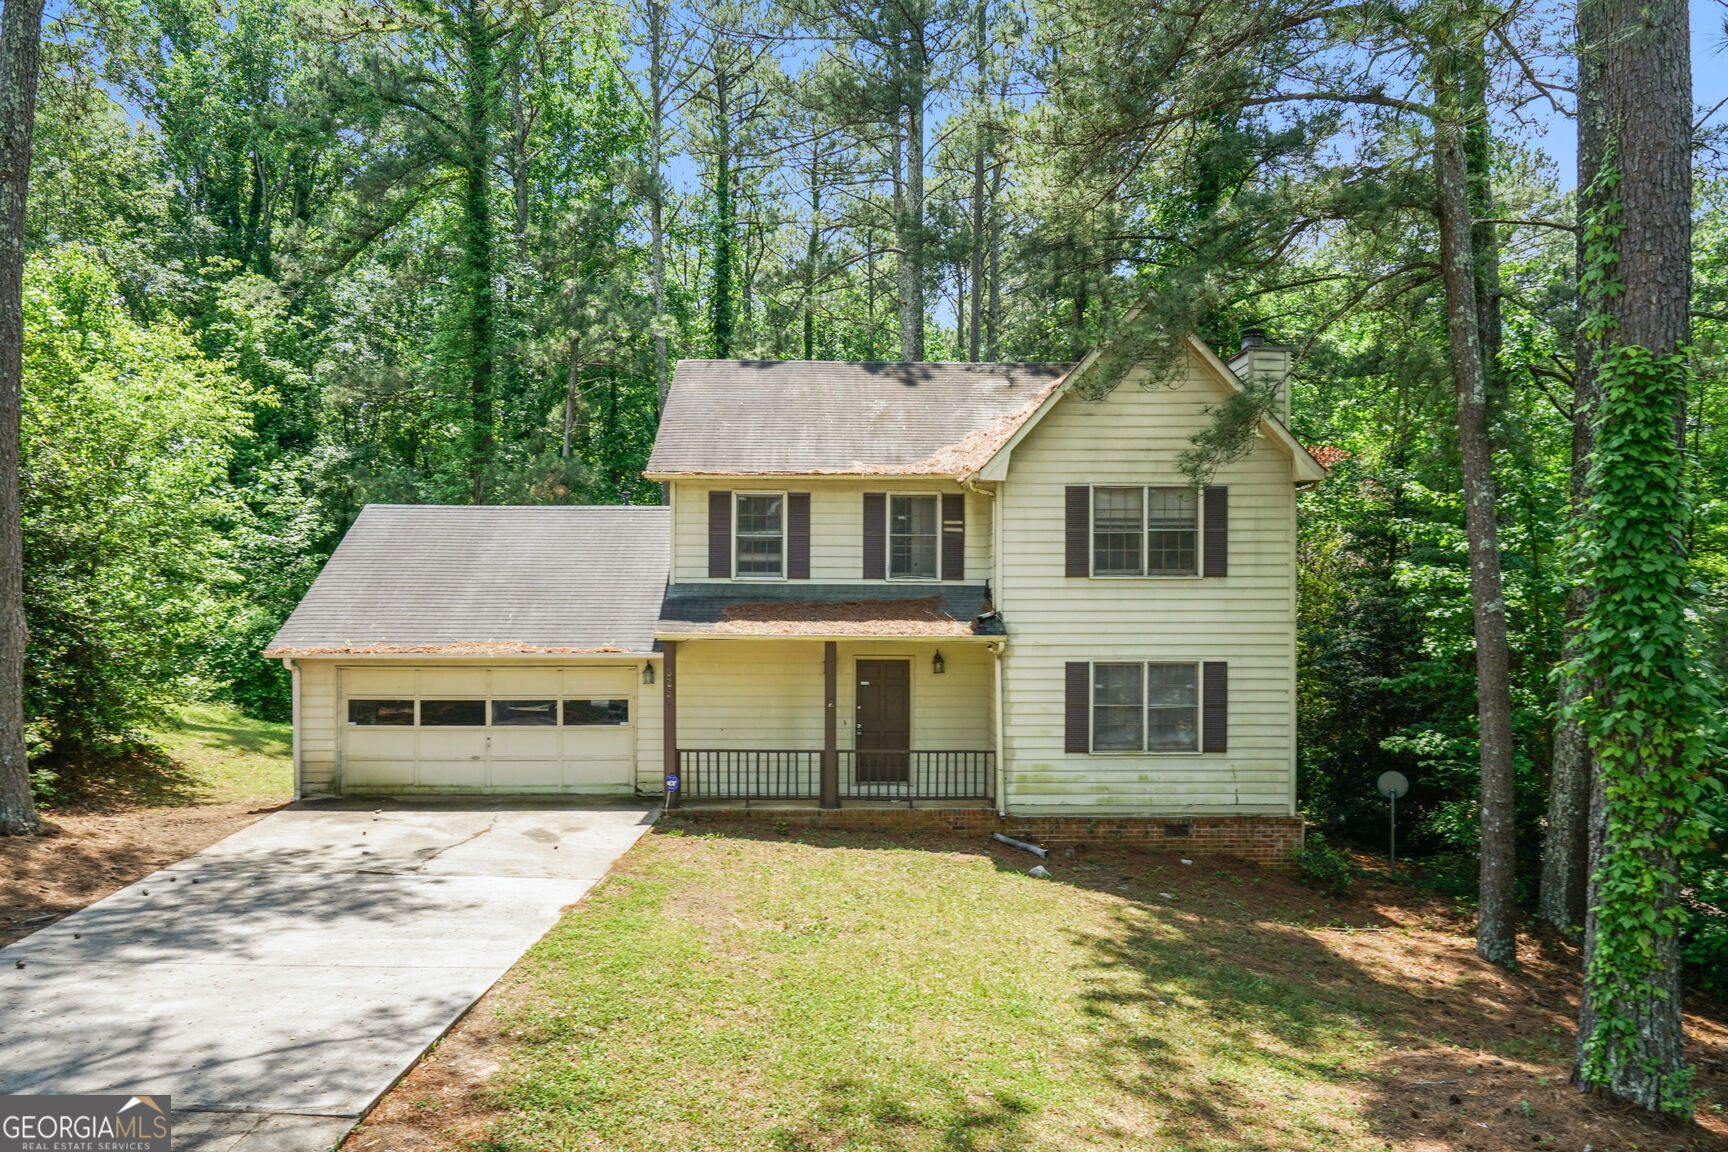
(1265, 840)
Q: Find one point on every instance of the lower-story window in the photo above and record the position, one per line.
(1145, 707)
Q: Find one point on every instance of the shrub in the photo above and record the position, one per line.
(1322, 864)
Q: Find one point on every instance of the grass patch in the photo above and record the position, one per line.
(205, 754)
(838, 992)
(229, 756)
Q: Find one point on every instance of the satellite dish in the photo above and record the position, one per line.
(1392, 785)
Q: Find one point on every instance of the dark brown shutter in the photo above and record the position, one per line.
(1077, 710)
(1079, 505)
(954, 537)
(875, 535)
(1215, 706)
(798, 535)
(1217, 544)
(720, 535)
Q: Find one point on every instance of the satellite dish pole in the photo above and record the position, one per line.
(1393, 785)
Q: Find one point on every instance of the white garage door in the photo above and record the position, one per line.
(492, 729)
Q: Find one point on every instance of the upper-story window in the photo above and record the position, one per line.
(760, 537)
(1145, 532)
(914, 535)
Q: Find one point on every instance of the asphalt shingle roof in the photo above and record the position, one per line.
(832, 609)
(490, 580)
(733, 417)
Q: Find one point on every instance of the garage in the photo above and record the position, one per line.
(459, 729)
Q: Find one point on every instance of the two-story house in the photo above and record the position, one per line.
(944, 586)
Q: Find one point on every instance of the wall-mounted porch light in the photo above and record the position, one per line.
(647, 673)
(937, 665)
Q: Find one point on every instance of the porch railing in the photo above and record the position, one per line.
(796, 774)
(749, 774)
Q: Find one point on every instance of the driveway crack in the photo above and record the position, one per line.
(425, 860)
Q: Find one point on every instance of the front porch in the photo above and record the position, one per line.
(797, 722)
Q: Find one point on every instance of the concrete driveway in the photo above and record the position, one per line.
(277, 983)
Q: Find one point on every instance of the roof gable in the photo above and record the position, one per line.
(1304, 468)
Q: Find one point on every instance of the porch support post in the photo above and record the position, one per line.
(669, 721)
(830, 725)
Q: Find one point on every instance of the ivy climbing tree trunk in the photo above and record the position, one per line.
(1497, 923)
(20, 52)
(1636, 648)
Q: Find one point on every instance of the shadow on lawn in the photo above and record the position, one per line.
(995, 1121)
(1413, 1037)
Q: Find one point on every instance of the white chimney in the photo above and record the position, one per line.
(1261, 362)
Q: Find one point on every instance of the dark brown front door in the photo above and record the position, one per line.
(884, 731)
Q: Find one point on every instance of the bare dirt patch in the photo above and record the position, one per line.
(83, 856)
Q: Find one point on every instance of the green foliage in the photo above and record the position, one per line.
(1322, 864)
(127, 435)
(1651, 714)
(1231, 435)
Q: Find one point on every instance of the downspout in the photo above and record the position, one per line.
(294, 719)
(1001, 766)
(970, 484)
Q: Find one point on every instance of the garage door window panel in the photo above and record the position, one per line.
(452, 713)
(524, 713)
(392, 713)
(596, 713)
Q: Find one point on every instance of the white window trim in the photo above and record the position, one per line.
(1145, 513)
(888, 539)
(785, 499)
(1199, 707)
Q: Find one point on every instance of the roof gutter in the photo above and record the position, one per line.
(850, 637)
(287, 656)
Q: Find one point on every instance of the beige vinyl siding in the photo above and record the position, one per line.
(1247, 618)
(650, 730)
(767, 694)
(316, 727)
(836, 523)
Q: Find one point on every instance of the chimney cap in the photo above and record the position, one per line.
(1253, 337)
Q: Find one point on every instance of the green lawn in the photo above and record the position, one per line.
(223, 756)
(836, 991)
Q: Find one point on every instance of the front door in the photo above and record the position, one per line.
(884, 721)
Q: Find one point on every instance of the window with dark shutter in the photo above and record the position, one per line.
(798, 535)
(720, 535)
(1215, 698)
(954, 537)
(875, 535)
(1217, 531)
(1078, 504)
(1077, 707)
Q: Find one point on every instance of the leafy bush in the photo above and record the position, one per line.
(1704, 930)
(1323, 864)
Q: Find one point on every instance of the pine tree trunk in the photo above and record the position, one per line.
(911, 222)
(1497, 925)
(1562, 899)
(721, 309)
(20, 50)
(477, 243)
(992, 350)
(1634, 81)
(657, 199)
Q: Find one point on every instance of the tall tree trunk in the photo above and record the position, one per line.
(977, 301)
(477, 242)
(572, 396)
(1634, 80)
(992, 349)
(911, 219)
(1497, 925)
(812, 251)
(721, 317)
(1562, 898)
(20, 50)
(657, 198)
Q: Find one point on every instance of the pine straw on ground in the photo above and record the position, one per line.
(775, 988)
(121, 819)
